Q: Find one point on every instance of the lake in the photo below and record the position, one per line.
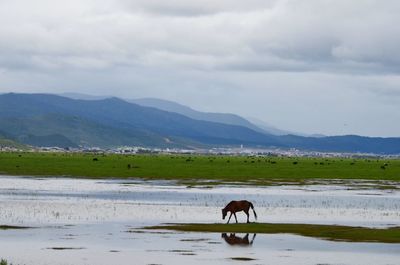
(79, 221)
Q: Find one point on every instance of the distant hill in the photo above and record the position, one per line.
(269, 128)
(83, 96)
(49, 140)
(171, 106)
(112, 122)
(7, 142)
(50, 120)
(12, 144)
(346, 143)
(225, 118)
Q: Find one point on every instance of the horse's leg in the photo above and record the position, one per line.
(229, 218)
(252, 240)
(247, 213)
(235, 217)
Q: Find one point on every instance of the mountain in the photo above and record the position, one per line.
(346, 143)
(171, 106)
(6, 141)
(11, 144)
(225, 118)
(269, 128)
(112, 122)
(50, 120)
(83, 96)
(49, 140)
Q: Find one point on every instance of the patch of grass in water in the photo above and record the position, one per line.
(180, 251)
(327, 232)
(183, 252)
(386, 187)
(135, 231)
(242, 258)
(65, 248)
(194, 240)
(6, 227)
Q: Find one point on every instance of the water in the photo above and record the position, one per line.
(98, 222)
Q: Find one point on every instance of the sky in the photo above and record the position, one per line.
(314, 66)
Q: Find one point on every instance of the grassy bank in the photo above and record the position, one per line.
(261, 170)
(328, 232)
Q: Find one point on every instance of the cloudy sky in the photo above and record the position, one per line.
(313, 66)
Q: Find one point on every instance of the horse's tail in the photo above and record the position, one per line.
(252, 207)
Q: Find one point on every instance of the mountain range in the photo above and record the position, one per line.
(225, 118)
(170, 106)
(52, 120)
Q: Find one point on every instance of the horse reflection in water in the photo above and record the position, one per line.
(232, 239)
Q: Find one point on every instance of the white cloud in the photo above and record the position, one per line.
(322, 35)
(289, 54)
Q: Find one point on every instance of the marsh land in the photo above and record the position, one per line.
(63, 208)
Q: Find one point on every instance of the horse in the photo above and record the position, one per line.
(232, 239)
(237, 206)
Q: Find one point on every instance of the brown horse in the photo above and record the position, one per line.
(237, 206)
(232, 239)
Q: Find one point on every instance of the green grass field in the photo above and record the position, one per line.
(189, 169)
(329, 232)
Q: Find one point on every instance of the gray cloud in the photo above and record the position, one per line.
(278, 56)
(194, 8)
(321, 35)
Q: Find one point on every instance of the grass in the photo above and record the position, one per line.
(65, 248)
(242, 259)
(7, 227)
(328, 232)
(191, 169)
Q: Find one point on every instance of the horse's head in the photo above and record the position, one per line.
(224, 212)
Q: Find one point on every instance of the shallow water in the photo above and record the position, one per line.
(97, 222)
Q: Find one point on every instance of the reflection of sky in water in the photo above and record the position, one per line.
(62, 200)
(103, 212)
(109, 243)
